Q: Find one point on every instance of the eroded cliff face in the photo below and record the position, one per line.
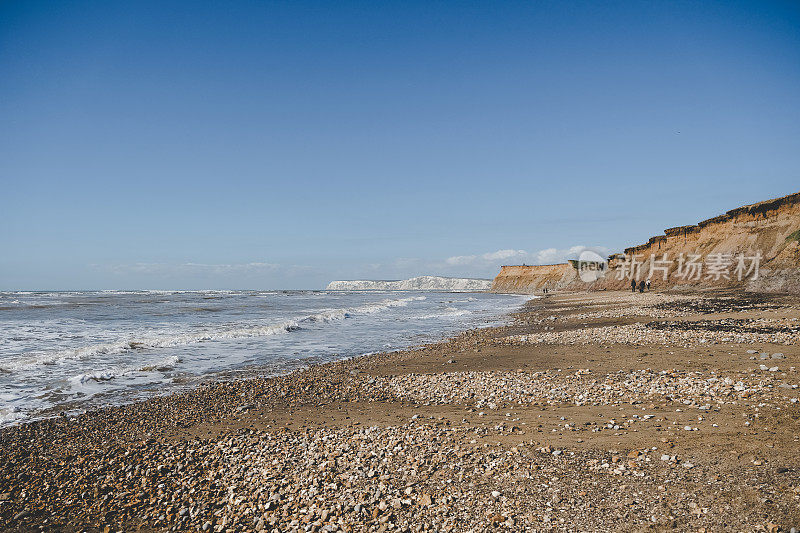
(527, 279)
(770, 228)
(767, 228)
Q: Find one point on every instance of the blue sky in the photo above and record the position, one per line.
(285, 144)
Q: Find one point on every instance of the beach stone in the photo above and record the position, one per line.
(319, 476)
(778, 356)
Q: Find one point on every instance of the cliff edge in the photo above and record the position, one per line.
(768, 229)
(527, 279)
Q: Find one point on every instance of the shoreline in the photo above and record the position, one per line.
(216, 382)
(180, 376)
(498, 427)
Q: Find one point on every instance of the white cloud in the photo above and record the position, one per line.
(499, 255)
(487, 264)
(504, 254)
(461, 260)
(550, 256)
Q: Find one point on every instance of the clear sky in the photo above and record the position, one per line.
(284, 144)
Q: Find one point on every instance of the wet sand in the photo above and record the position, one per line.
(592, 411)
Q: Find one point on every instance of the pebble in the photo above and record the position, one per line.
(387, 478)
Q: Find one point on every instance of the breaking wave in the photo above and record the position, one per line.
(108, 374)
(182, 339)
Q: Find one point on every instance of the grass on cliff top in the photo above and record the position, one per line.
(794, 236)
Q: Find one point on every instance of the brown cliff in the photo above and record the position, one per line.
(771, 228)
(527, 279)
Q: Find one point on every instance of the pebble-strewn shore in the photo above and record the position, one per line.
(496, 390)
(654, 333)
(592, 412)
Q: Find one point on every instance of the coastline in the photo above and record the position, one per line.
(64, 353)
(506, 427)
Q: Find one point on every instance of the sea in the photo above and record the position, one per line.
(72, 351)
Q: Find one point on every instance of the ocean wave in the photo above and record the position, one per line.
(9, 415)
(181, 339)
(166, 341)
(164, 365)
(446, 313)
(107, 374)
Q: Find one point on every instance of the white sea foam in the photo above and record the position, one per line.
(446, 313)
(9, 415)
(107, 374)
(143, 343)
(182, 339)
(103, 375)
(119, 346)
(168, 363)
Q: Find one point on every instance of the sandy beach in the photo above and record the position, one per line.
(598, 411)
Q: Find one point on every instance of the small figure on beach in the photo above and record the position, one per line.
(641, 286)
(647, 284)
(633, 285)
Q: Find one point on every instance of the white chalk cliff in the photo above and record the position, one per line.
(421, 283)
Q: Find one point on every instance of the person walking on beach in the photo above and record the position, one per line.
(647, 284)
(641, 286)
(633, 285)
